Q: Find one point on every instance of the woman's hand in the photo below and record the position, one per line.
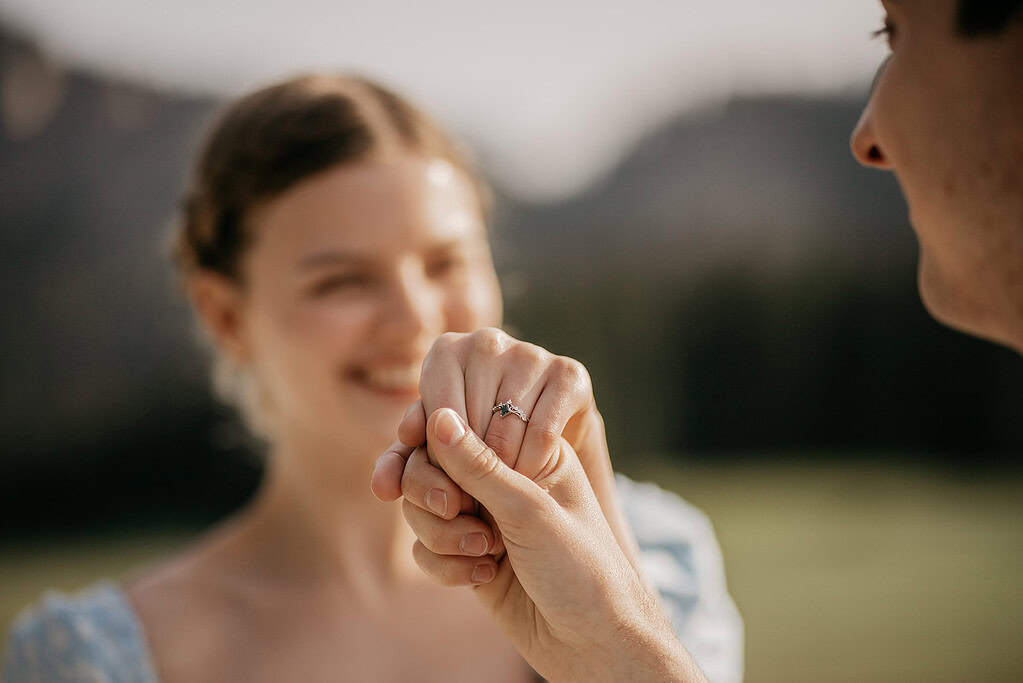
(564, 592)
(471, 373)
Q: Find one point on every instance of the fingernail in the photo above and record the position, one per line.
(408, 411)
(483, 573)
(449, 427)
(437, 501)
(474, 544)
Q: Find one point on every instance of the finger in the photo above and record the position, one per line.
(429, 488)
(465, 535)
(484, 370)
(412, 428)
(451, 570)
(385, 482)
(505, 431)
(498, 550)
(442, 381)
(566, 394)
(479, 471)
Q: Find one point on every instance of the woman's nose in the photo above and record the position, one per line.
(415, 307)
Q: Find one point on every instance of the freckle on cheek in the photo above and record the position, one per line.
(949, 187)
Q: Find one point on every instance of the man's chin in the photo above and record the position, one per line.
(953, 307)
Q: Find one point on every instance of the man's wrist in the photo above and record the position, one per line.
(641, 645)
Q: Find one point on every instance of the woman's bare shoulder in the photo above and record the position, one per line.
(188, 606)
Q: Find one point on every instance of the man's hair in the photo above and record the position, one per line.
(987, 17)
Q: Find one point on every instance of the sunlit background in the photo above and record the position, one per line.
(676, 207)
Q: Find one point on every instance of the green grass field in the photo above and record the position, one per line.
(883, 572)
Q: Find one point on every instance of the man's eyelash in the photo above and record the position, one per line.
(886, 31)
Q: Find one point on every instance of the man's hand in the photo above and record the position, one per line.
(562, 590)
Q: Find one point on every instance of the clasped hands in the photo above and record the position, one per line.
(526, 512)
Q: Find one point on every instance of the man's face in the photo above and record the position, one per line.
(946, 116)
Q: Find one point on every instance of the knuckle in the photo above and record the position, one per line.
(500, 442)
(529, 354)
(449, 339)
(427, 530)
(490, 341)
(448, 571)
(431, 534)
(451, 575)
(445, 344)
(548, 439)
(411, 482)
(428, 561)
(537, 511)
(572, 371)
(572, 378)
(484, 464)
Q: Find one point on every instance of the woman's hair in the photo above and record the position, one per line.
(269, 140)
(265, 143)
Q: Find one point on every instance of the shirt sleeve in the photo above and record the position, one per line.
(92, 638)
(680, 555)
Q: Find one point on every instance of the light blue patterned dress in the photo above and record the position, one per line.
(95, 637)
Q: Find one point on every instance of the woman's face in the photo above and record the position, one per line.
(352, 275)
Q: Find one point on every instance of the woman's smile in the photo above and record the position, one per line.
(393, 379)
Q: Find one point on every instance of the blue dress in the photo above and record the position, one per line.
(95, 636)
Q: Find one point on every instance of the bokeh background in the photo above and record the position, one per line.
(676, 207)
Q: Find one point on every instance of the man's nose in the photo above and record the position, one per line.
(865, 147)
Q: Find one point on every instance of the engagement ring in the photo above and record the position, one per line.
(508, 408)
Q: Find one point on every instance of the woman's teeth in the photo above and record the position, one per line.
(394, 377)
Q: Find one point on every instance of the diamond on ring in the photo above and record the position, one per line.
(508, 408)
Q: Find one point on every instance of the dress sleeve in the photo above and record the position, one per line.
(680, 555)
(92, 638)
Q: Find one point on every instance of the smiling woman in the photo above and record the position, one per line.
(334, 258)
(331, 235)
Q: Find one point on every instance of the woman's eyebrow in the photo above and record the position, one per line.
(447, 245)
(331, 257)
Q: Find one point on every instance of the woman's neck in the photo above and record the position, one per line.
(315, 520)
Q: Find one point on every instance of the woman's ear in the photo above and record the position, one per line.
(218, 303)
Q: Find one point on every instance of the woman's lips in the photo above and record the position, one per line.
(391, 378)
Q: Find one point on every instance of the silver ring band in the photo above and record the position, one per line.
(508, 408)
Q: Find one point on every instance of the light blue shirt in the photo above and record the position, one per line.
(95, 636)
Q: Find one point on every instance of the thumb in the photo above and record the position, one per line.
(476, 468)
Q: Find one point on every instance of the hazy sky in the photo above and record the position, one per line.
(549, 92)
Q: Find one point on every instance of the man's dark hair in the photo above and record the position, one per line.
(987, 17)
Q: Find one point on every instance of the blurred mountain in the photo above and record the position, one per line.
(88, 185)
(736, 284)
